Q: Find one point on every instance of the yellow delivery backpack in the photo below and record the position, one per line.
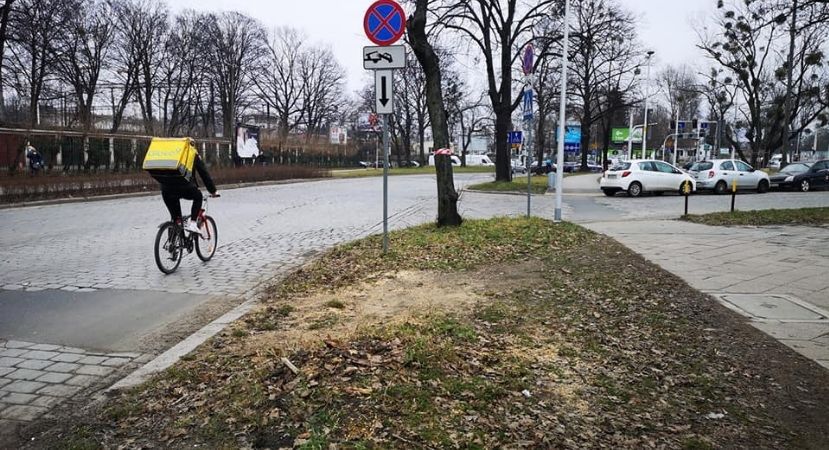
(170, 160)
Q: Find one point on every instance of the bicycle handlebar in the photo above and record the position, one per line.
(215, 195)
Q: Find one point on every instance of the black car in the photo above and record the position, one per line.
(802, 177)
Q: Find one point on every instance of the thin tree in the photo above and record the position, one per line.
(499, 30)
(430, 62)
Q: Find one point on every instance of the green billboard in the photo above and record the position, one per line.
(619, 135)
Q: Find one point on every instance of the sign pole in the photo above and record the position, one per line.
(384, 24)
(385, 183)
(529, 165)
(676, 139)
(562, 112)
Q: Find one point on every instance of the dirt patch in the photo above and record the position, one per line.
(392, 298)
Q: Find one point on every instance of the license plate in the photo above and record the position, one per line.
(775, 184)
(611, 177)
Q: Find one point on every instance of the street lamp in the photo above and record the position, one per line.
(647, 96)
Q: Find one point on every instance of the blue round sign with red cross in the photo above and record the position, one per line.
(385, 22)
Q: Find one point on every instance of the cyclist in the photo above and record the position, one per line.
(173, 190)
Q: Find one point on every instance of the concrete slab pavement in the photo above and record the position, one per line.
(774, 276)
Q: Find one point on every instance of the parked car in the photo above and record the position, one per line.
(803, 177)
(478, 160)
(718, 175)
(639, 176)
(517, 167)
(775, 161)
(409, 164)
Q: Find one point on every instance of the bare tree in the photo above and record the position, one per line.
(499, 29)
(83, 54)
(278, 83)
(747, 44)
(184, 73)
(148, 34)
(679, 84)
(605, 55)
(5, 9)
(35, 27)
(136, 56)
(430, 62)
(412, 114)
(323, 83)
(238, 45)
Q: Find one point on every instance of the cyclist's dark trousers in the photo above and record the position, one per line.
(172, 195)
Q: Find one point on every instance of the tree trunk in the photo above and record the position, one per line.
(503, 172)
(585, 141)
(447, 196)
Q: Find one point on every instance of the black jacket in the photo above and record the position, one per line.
(178, 183)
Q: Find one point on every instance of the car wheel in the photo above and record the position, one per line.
(635, 189)
(763, 186)
(804, 186)
(721, 187)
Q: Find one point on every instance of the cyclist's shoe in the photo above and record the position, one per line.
(192, 227)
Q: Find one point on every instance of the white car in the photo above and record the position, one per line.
(638, 176)
(719, 175)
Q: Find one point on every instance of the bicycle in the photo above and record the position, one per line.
(171, 241)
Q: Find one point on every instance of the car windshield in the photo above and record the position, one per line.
(792, 169)
(700, 166)
(621, 166)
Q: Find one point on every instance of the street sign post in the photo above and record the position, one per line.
(514, 137)
(528, 104)
(384, 24)
(384, 91)
(379, 58)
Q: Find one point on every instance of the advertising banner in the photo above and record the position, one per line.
(247, 141)
(338, 135)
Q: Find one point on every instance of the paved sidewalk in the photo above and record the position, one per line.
(774, 276)
(36, 377)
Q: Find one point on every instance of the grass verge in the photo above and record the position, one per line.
(802, 216)
(558, 350)
(360, 173)
(518, 184)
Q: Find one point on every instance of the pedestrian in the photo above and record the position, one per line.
(35, 159)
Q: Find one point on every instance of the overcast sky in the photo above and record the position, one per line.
(665, 25)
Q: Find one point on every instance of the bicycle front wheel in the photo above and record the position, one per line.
(168, 248)
(207, 243)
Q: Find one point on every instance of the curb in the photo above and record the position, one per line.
(174, 354)
(101, 198)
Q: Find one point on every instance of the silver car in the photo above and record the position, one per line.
(719, 175)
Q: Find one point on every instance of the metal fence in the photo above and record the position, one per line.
(71, 151)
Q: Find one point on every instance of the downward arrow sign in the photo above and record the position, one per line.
(384, 91)
(384, 97)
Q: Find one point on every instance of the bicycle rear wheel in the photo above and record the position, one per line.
(206, 246)
(168, 248)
